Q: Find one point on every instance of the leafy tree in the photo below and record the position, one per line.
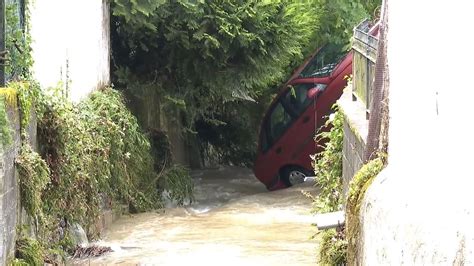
(208, 52)
(207, 57)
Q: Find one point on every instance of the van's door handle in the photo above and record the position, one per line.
(278, 150)
(305, 119)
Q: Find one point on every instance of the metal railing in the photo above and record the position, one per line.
(365, 54)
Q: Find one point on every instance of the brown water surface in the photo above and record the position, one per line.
(234, 220)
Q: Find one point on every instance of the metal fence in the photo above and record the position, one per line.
(365, 54)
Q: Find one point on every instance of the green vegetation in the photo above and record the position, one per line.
(18, 65)
(328, 166)
(34, 176)
(205, 61)
(212, 59)
(205, 53)
(339, 246)
(8, 98)
(333, 248)
(94, 149)
(91, 153)
(357, 188)
(27, 93)
(339, 17)
(231, 138)
(28, 252)
(179, 183)
(31, 251)
(17, 42)
(94, 154)
(5, 129)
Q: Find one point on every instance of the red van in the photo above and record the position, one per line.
(287, 132)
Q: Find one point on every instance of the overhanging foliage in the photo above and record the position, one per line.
(207, 52)
(207, 56)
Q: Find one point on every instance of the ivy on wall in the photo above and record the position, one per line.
(18, 41)
(328, 169)
(94, 149)
(18, 64)
(328, 166)
(34, 176)
(339, 246)
(5, 129)
(91, 155)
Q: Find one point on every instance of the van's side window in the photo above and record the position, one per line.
(297, 98)
(279, 120)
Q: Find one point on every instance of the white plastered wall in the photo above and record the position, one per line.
(420, 209)
(71, 44)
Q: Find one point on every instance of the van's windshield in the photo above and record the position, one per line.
(324, 62)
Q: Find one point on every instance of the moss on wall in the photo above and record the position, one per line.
(358, 186)
(8, 97)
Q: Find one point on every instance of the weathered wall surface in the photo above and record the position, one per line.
(11, 214)
(419, 210)
(356, 100)
(355, 134)
(71, 44)
(9, 192)
(153, 116)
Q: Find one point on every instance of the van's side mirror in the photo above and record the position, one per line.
(313, 93)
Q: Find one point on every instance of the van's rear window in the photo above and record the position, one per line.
(324, 62)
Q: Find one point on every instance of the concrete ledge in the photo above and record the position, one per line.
(355, 114)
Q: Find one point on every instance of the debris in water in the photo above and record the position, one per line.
(91, 251)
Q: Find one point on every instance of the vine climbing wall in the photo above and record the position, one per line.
(9, 192)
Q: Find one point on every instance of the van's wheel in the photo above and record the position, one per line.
(293, 175)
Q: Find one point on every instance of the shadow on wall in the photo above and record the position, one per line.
(165, 128)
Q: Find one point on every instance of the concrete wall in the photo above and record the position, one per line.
(153, 116)
(355, 134)
(71, 44)
(11, 213)
(9, 192)
(419, 210)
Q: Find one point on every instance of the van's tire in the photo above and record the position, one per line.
(293, 175)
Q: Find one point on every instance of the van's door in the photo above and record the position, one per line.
(288, 127)
(273, 144)
(304, 126)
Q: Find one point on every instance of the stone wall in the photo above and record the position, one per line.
(9, 191)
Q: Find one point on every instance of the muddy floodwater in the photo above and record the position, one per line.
(234, 220)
